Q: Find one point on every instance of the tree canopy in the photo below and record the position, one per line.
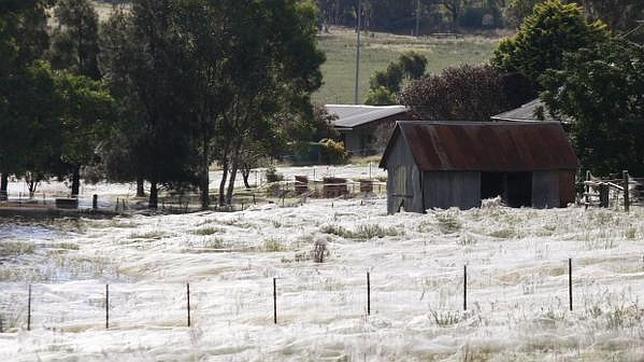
(551, 30)
(600, 89)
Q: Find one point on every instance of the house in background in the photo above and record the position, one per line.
(533, 111)
(456, 164)
(362, 127)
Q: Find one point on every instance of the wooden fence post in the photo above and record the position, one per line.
(368, 294)
(29, 310)
(188, 295)
(275, 300)
(465, 287)
(587, 189)
(570, 282)
(627, 196)
(107, 306)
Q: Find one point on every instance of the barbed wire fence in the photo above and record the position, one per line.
(30, 309)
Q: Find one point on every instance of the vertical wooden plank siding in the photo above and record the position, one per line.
(403, 181)
(445, 189)
(566, 187)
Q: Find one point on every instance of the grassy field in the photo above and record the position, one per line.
(379, 49)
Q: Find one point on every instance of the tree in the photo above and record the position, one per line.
(553, 29)
(464, 93)
(600, 88)
(84, 120)
(385, 85)
(75, 41)
(145, 54)
(271, 71)
(75, 49)
(380, 96)
(23, 40)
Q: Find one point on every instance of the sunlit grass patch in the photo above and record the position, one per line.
(273, 245)
(361, 232)
(15, 248)
(208, 231)
(448, 222)
(149, 235)
(445, 318)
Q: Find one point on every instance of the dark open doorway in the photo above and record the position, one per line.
(519, 189)
(515, 188)
(492, 184)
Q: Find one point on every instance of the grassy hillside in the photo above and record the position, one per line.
(379, 49)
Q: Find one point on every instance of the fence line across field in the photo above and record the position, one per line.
(111, 306)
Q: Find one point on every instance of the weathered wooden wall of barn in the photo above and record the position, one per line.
(545, 189)
(567, 187)
(403, 179)
(445, 189)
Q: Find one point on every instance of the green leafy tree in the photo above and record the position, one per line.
(601, 90)
(553, 29)
(75, 49)
(23, 40)
(145, 53)
(380, 96)
(385, 85)
(75, 41)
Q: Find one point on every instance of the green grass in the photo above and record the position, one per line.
(379, 49)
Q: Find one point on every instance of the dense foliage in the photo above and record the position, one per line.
(159, 92)
(601, 90)
(553, 29)
(465, 93)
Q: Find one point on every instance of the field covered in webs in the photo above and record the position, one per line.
(517, 285)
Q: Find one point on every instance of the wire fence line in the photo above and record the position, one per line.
(27, 310)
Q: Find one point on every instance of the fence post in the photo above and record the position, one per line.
(107, 306)
(570, 282)
(29, 310)
(465, 287)
(275, 300)
(368, 294)
(188, 295)
(587, 189)
(627, 196)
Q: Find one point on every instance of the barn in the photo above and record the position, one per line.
(457, 164)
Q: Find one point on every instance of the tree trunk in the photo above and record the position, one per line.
(231, 183)
(222, 183)
(140, 187)
(245, 171)
(76, 181)
(4, 183)
(153, 202)
(205, 176)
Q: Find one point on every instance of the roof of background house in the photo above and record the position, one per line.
(528, 113)
(350, 116)
(486, 146)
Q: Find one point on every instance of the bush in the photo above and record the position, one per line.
(333, 153)
(272, 175)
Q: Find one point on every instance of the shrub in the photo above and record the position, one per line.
(272, 175)
(333, 153)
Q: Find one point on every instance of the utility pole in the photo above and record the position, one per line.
(355, 100)
(417, 18)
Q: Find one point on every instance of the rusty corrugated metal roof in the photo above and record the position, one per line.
(488, 146)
